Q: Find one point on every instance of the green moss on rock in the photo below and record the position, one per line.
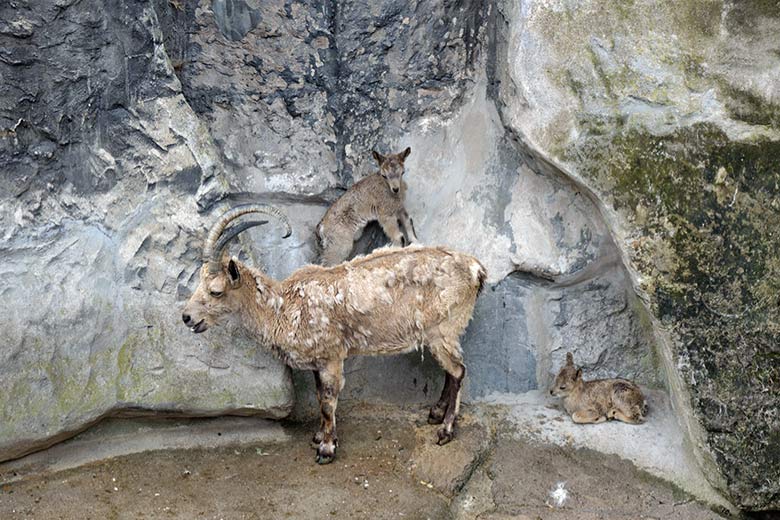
(707, 215)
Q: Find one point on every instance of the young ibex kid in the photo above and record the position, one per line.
(379, 197)
(599, 400)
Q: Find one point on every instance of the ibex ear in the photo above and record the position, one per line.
(232, 270)
(378, 157)
(579, 374)
(569, 358)
(406, 153)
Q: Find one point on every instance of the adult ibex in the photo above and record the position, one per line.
(388, 302)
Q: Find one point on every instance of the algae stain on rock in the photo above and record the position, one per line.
(711, 215)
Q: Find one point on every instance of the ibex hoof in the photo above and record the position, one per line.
(436, 416)
(326, 452)
(324, 459)
(445, 436)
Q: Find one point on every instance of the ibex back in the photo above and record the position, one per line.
(389, 302)
(378, 197)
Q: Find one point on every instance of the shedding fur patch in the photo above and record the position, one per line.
(387, 302)
(475, 269)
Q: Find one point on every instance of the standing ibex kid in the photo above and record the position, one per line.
(378, 197)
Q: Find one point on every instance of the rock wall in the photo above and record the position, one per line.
(668, 114)
(126, 126)
(106, 166)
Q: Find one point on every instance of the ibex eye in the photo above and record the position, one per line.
(216, 294)
(563, 388)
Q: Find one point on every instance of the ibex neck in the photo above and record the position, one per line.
(263, 306)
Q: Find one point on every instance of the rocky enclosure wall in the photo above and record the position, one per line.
(601, 161)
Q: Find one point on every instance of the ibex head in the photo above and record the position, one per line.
(391, 167)
(566, 378)
(220, 276)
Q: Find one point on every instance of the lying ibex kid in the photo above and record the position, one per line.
(378, 197)
(389, 302)
(599, 400)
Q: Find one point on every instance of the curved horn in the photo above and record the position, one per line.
(210, 250)
(232, 232)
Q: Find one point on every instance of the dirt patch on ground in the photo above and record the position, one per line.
(370, 479)
(531, 480)
(375, 476)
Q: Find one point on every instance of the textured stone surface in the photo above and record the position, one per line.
(557, 154)
(105, 166)
(673, 125)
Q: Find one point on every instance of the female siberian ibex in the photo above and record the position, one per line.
(388, 302)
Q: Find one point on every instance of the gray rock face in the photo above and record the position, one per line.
(106, 164)
(668, 114)
(126, 127)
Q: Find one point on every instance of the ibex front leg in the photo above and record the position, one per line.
(331, 382)
(391, 228)
(408, 226)
(317, 439)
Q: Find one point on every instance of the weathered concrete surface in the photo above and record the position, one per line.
(596, 486)
(658, 446)
(118, 437)
(449, 468)
(667, 113)
(374, 476)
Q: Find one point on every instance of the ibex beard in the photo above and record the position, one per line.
(388, 302)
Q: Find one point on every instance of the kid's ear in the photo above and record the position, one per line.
(233, 273)
(579, 374)
(378, 157)
(569, 358)
(406, 153)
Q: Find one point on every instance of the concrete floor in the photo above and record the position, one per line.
(657, 446)
(505, 463)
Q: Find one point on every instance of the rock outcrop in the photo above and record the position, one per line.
(669, 115)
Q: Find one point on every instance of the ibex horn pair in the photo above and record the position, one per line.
(218, 238)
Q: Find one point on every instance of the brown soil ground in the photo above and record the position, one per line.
(386, 468)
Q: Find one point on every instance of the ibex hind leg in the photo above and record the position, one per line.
(630, 418)
(320, 434)
(588, 417)
(438, 410)
(449, 357)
